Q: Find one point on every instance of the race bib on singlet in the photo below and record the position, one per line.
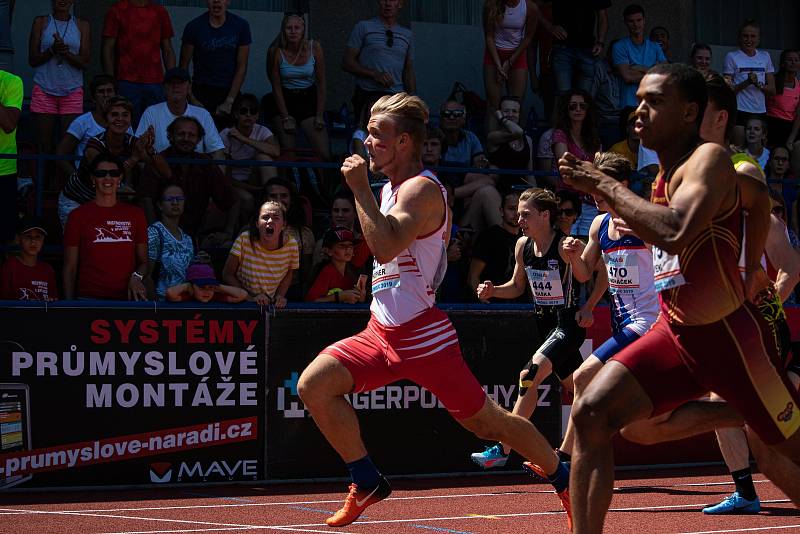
(546, 287)
(385, 276)
(666, 270)
(623, 275)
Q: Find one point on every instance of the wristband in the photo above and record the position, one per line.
(136, 275)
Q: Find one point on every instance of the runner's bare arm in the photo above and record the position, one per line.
(584, 266)
(781, 254)
(755, 201)
(707, 182)
(419, 210)
(516, 286)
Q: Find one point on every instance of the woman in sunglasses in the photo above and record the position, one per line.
(251, 141)
(569, 209)
(297, 74)
(105, 241)
(115, 141)
(576, 133)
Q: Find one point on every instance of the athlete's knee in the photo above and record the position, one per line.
(591, 418)
(321, 380)
(486, 423)
(581, 379)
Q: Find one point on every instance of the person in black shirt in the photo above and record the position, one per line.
(580, 28)
(493, 252)
(539, 257)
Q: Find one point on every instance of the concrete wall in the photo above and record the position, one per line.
(444, 53)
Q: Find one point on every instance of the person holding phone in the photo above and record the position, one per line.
(335, 279)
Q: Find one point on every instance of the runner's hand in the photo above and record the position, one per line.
(584, 317)
(572, 247)
(579, 174)
(755, 284)
(622, 227)
(485, 290)
(355, 173)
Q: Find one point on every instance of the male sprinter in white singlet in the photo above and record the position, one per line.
(407, 336)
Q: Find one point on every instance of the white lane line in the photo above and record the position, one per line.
(12, 511)
(228, 529)
(526, 514)
(754, 529)
(160, 519)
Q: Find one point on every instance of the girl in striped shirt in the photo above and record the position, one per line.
(264, 257)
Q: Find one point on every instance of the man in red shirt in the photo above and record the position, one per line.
(136, 39)
(24, 277)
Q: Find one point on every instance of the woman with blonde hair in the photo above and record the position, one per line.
(508, 27)
(297, 73)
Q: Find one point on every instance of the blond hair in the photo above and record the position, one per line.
(615, 165)
(409, 114)
(542, 200)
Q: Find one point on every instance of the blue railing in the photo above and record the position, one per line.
(40, 169)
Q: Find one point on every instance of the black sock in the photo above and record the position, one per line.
(364, 473)
(743, 479)
(563, 456)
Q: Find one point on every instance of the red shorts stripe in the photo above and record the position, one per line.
(424, 350)
(735, 357)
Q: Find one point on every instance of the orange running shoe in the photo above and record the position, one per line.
(564, 496)
(536, 471)
(357, 501)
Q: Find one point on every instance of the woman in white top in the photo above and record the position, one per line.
(58, 51)
(508, 27)
(297, 74)
(750, 72)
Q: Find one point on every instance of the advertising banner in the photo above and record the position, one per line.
(404, 426)
(97, 396)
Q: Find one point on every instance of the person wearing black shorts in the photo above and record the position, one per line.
(541, 260)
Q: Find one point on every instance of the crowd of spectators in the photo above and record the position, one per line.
(143, 204)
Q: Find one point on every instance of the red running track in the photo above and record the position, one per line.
(667, 501)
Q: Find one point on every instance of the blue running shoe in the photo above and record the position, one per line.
(735, 504)
(491, 457)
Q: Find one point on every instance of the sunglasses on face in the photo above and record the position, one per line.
(778, 210)
(453, 113)
(389, 38)
(246, 110)
(567, 212)
(102, 173)
(780, 158)
(176, 198)
(574, 106)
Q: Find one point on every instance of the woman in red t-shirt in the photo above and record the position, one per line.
(336, 279)
(105, 241)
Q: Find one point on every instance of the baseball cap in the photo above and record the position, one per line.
(201, 274)
(28, 223)
(337, 235)
(176, 73)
